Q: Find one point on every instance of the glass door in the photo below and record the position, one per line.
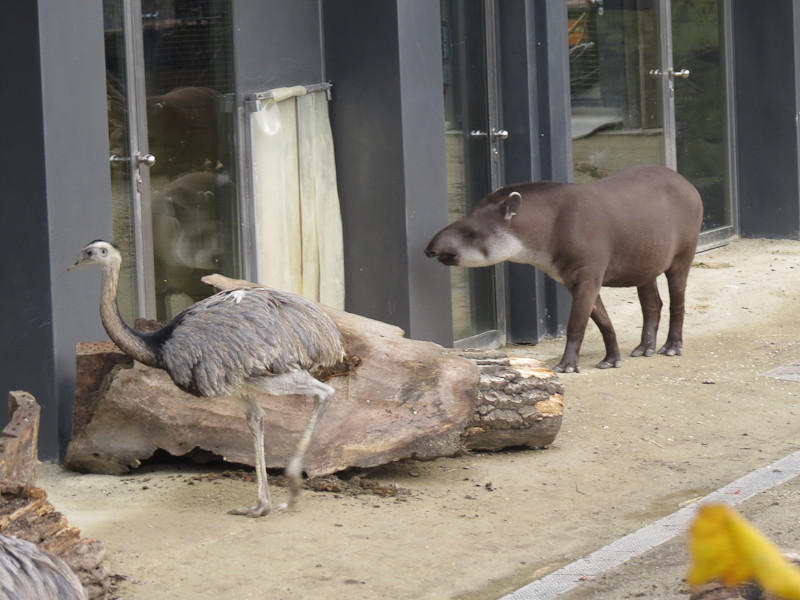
(648, 87)
(701, 140)
(617, 105)
(473, 139)
(170, 84)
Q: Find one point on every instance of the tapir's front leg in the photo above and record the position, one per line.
(603, 322)
(584, 295)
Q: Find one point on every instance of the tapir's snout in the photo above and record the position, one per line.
(433, 250)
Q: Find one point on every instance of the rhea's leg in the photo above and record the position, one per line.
(255, 422)
(301, 383)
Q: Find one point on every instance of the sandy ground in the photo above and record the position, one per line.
(636, 444)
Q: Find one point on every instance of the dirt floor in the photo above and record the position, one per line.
(636, 444)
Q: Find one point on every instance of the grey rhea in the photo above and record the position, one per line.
(29, 573)
(238, 343)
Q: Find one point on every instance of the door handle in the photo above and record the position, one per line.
(145, 159)
(139, 159)
(683, 73)
(500, 134)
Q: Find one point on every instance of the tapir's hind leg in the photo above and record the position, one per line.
(603, 322)
(677, 275)
(651, 303)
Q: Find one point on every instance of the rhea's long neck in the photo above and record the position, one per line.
(131, 342)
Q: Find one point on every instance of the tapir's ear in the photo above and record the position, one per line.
(510, 205)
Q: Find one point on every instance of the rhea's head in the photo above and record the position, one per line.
(98, 252)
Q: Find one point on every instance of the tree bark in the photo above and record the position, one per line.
(25, 511)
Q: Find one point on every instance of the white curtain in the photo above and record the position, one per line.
(298, 222)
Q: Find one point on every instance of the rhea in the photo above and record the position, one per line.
(29, 573)
(239, 343)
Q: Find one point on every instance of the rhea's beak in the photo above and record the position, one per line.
(78, 263)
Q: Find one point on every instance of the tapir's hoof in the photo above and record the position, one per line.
(643, 351)
(670, 350)
(609, 364)
(566, 369)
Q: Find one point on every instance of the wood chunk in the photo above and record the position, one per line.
(25, 511)
(94, 361)
(19, 458)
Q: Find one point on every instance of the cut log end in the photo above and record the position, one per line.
(519, 402)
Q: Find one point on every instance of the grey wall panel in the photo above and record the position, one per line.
(384, 60)
(277, 43)
(362, 62)
(425, 168)
(765, 62)
(56, 196)
(78, 186)
(25, 318)
(536, 112)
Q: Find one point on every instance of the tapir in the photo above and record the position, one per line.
(621, 231)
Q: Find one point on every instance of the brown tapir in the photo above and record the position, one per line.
(624, 230)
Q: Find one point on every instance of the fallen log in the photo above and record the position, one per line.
(26, 513)
(407, 399)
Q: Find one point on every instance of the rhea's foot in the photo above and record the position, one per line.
(259, 510)
(294, 475)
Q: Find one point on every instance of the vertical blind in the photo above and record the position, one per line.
(298, 221)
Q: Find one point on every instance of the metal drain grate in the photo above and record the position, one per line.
(656, 533)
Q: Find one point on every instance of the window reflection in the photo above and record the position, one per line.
(187, 60)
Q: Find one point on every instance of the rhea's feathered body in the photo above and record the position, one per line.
(235, 343)
(29, 573)
(215, 345)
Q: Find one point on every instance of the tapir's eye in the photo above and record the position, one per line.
(470, 234)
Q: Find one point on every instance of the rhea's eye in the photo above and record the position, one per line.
(103, 251)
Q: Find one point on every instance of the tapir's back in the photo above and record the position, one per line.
(644, 216)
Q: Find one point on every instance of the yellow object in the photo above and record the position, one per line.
(723, 545)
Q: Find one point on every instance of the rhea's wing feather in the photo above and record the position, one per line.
(222, 340)
(28, 573)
